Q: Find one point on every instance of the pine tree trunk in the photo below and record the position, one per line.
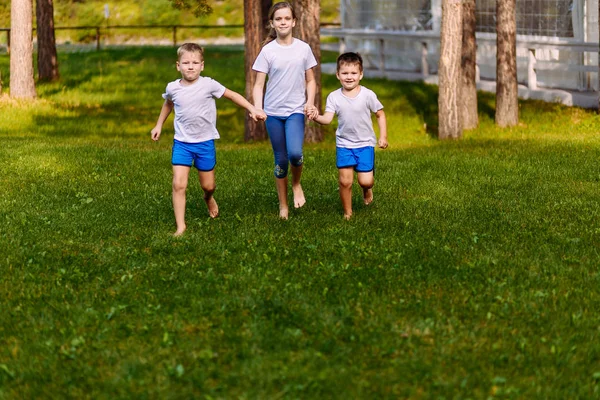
(22, 83)
(47, 58)
(308, 30)
(507, 90)
(255, 33)
(449, 71)
(468, 96)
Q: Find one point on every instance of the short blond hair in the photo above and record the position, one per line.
(190, 48)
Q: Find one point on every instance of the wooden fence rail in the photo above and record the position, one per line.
(100, 29)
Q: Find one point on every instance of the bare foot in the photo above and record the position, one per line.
(179, 231)
(213, 207)
(299, 199)
(283, 213)
(368, 196)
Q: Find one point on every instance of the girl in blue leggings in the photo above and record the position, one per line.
(289, 96)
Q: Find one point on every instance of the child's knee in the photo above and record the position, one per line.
(345, 182)
(281, 171)
(209, 188)
(179, 186)
(366, 182)
(296, 159)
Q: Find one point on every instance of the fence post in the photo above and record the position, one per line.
(424, 63)
(531, 74)
(342, 45)
(174, 36)
(382, 55)
(97, 38)
(8, 41)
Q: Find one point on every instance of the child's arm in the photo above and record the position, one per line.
(258, 89)
(324, 119)
(166, 109)
(381, 121)
(238, 99)
(311, 89)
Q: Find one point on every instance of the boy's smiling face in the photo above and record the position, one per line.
(349, 76)
(190, 64)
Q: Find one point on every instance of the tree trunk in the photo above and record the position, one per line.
(468, 95)
(507, 90)
(266, 7)
(255, 33)
(47, 59)
(22, 83)
(307, 29)
(449, 71)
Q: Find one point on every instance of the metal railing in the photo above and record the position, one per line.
(429, 40)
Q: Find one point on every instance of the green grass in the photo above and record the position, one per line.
(473, 275)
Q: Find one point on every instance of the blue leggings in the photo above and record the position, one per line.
(287, 139)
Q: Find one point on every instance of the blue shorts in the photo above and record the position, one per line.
(361, 159)
(203, 155)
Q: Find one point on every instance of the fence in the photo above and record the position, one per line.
(99, 31)
(418, 52)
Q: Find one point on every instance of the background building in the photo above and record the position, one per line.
(557, 40)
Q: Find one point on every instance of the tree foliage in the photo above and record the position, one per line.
(197, 7)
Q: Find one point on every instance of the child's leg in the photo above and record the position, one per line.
(299, 199)
(282, 191)
(366, 181)
(276, 129)
(346, 176)
(180, 182)
(294, 135)
(207, 182)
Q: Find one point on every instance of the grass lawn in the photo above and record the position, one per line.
(475, 273)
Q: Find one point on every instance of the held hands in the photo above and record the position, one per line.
(258, 115)
(311, 112)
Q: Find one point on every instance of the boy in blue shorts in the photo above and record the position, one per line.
(355, 137)
(193, 99)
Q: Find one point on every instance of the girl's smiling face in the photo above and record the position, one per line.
(283, 22)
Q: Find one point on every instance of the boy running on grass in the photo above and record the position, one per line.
(193, 98)
(355, 137)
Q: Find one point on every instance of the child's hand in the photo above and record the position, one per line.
(155, 133)
(258, 115)
(311, 112)
(383, 143)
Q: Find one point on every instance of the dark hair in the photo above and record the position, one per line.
(190, 48)
(276, 7)
(350, 58)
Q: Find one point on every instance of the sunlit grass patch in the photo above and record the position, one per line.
(473, 274)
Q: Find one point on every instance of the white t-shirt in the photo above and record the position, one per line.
(286, 68)
(355, 127)
(195, 109)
